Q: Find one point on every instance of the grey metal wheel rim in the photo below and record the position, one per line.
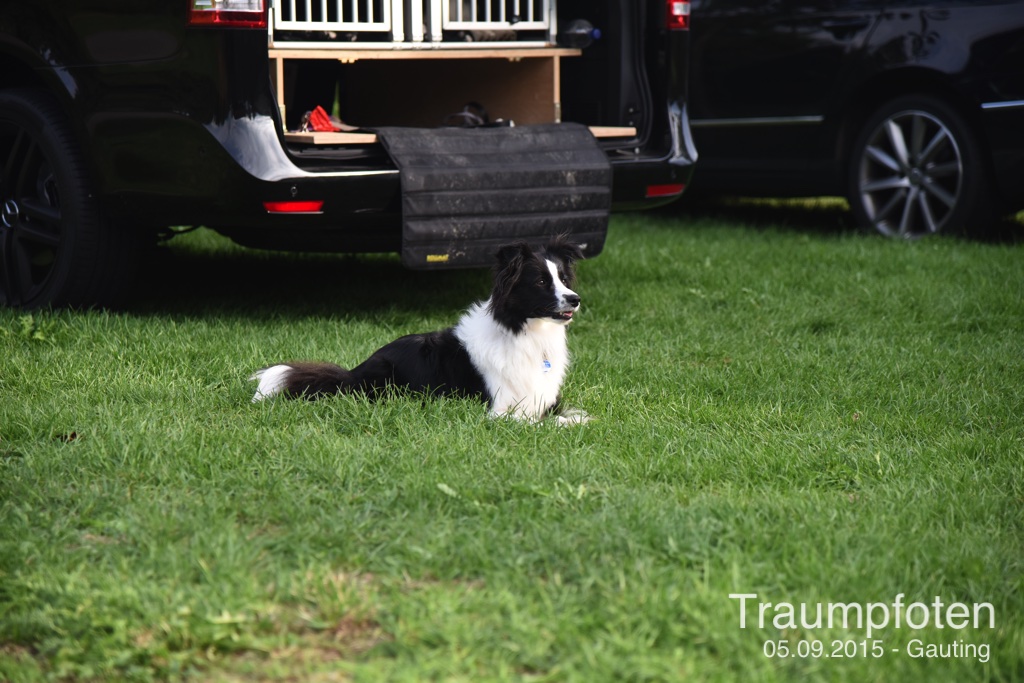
(911, 175)
(30, 216)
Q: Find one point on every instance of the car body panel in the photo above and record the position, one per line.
(778, 89)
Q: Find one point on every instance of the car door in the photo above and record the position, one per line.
(763, 76)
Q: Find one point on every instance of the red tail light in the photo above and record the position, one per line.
(668, 190)
(677, 14)
(310, 206)
(228, 13)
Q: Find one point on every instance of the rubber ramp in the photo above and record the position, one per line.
(467, 191)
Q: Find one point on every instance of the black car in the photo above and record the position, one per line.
(120, 119)
(912, 109)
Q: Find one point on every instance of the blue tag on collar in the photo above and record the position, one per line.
(547, 365)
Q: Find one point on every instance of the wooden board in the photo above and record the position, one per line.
(315, 138)
(471, 51)
(613, 131)
(425, 93)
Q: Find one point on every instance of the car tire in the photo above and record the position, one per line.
(916, 169)
(55, 247)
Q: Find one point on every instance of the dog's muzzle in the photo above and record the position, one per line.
(570, 304)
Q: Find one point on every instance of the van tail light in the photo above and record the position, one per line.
(228, 13)
(677, 15)
(309, 206)
(668, 190)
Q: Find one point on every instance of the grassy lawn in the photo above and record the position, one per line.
(809, 416)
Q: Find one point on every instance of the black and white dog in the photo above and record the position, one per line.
(510, 350)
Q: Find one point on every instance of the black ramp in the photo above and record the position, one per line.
(466, 191)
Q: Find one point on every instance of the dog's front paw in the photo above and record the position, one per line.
(573, 416)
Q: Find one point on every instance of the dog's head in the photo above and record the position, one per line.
(535, 284)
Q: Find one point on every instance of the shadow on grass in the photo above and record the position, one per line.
(254, 284)
(817, 215)
(207, 275)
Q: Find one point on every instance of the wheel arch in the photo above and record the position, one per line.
(889, 85)
(15, 73)
(23, 68)
(55, 246)
(970, 207)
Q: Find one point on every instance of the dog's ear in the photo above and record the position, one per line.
(562, 248)
(511, 253)
(509, 267)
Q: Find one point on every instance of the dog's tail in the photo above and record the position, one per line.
(301, 379)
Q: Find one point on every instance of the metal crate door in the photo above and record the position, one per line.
(378, 16)
(482, 15)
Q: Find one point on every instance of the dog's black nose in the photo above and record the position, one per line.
(572, 299)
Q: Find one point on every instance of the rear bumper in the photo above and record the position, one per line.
(223, 176)
(640, 184)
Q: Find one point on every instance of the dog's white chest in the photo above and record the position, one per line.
(523, 372)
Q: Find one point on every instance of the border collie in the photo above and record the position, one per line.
(510, 350)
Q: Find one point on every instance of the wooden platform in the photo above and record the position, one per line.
(348, 55)
(317, 138)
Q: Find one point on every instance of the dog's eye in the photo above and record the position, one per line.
(542, 282)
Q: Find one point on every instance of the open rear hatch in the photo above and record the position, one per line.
(465, 190)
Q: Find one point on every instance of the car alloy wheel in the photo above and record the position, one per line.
(916, 170)
(55, 250)
(30, 217)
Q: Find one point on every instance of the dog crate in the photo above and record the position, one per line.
(500, 15)
(413, 23)
(416, 63)
(327, 21)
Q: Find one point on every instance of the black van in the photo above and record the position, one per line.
(451, 127)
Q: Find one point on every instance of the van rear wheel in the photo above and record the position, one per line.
(55, 248)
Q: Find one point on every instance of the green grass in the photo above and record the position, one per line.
(810, 416)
